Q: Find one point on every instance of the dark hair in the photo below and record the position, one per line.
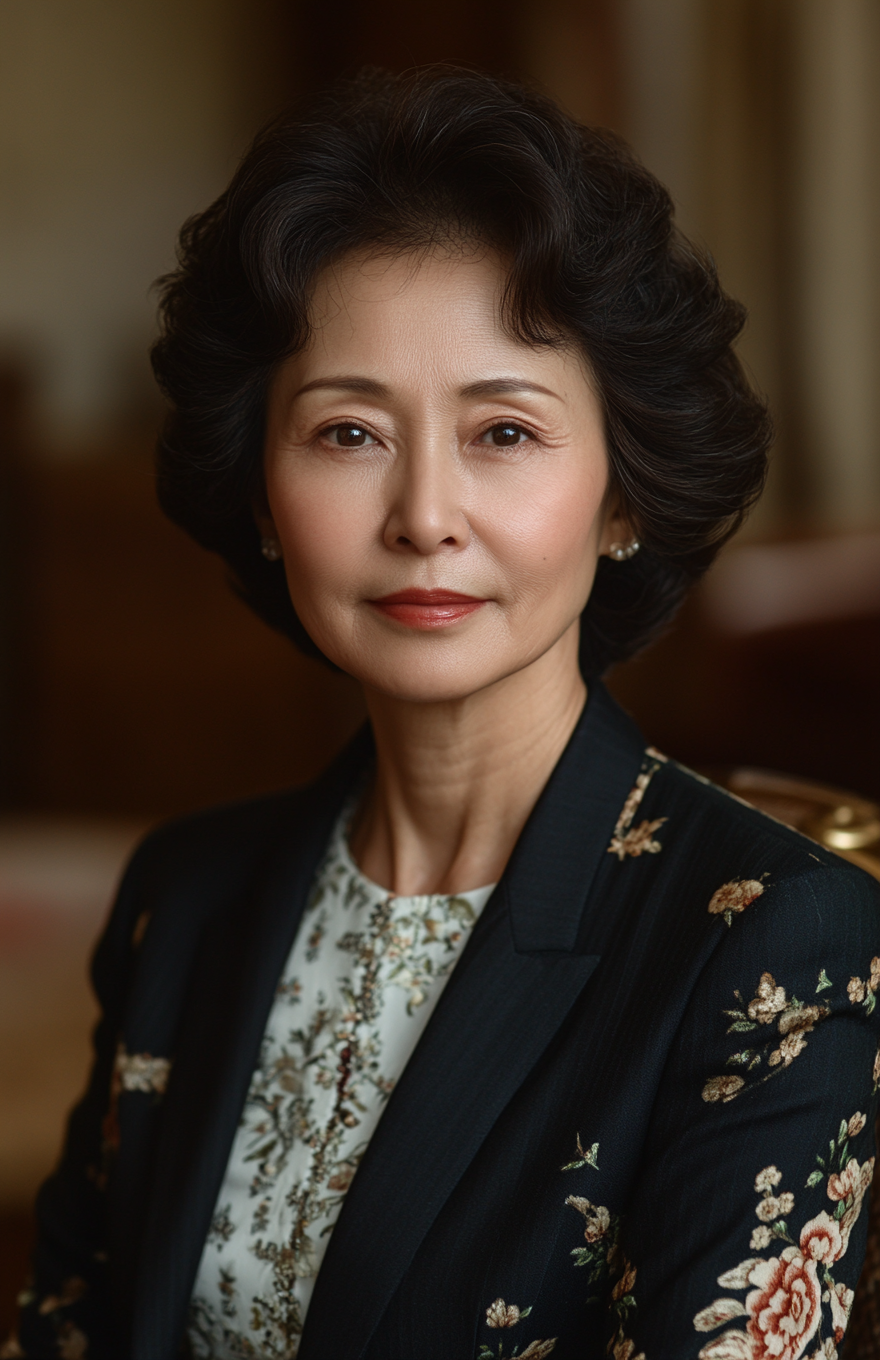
(398, 162)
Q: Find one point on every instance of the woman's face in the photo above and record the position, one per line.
(437, 487)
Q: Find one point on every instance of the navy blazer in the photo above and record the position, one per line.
(639, 1121)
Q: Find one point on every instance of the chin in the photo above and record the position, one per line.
(422, 679)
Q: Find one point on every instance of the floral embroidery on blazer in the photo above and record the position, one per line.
(71, 1343)
(638, 840)
(141, 1071)
(795, 1299)
(607, 1266)
(780, 1024)
(504, 1315)
(732, 898)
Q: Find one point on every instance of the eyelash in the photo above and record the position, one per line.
(330, 430)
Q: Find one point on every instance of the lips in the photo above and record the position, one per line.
(427, 608)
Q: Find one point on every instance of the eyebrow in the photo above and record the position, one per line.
(490, 387)
(366, 387)
(484, 387)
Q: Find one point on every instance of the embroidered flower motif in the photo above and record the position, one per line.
(848, 1190)
(625, 1283)
(738, 1278)
(851, 1181)
(605, 1263)
(722, 1310)
(624, 1348)
(501, 1314)
(732, 898)
(821, 1239)
(794, 1023)
(769, 1005)
(623, 1304)
(785, 1308)
(588, 1157)
(788, 1050)
(876, 1072)
(722, 1088)
(784, 1305)
(769, 1000)
(141, 1071)
(861, 991)
(798, 1019)
(638, 840)
(841, 1300)
(597, 1217)
(773, 1206)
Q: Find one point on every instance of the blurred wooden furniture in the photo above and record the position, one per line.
(133, 682)
(850, 826)
(801, 698)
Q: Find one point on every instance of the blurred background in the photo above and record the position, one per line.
(133, 685)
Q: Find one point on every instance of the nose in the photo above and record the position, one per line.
(425, 513)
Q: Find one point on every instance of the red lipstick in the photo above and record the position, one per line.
(427, 608)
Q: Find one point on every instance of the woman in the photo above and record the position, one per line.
(508, 1036)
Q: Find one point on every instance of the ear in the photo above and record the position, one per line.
(270, 542)
(617, 527)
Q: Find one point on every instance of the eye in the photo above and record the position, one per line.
(504, 435)
(348, 436)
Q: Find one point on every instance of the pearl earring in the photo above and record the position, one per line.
(271, 549)
(622, 552)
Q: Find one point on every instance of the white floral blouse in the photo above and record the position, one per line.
(360, 983)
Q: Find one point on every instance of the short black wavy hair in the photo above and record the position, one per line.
(403, 162)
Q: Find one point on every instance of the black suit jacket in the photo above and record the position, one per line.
(640, 1118)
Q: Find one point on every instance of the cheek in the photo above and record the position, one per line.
(324, 525)
(552, 534)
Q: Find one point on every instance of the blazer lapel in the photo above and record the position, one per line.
(511, 991)
(230, 996)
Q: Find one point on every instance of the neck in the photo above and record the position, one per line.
(456, 781)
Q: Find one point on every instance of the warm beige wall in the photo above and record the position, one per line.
(118, 118)
(763, 118)
(836, 249)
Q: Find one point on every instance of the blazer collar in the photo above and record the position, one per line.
(568, 833)
(512, 989)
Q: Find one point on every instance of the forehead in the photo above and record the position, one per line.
(438, 309)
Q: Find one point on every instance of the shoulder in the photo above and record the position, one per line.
(182, 874)
(763, 934)
(772, 906)
(708, 823)
(216, 844)
(734, 879)
(223, 845)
